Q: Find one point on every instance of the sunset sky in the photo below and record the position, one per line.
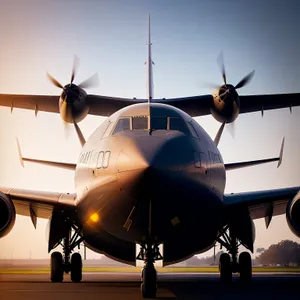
(110, 37)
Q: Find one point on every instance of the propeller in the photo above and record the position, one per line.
(232, 89)
(70, 91)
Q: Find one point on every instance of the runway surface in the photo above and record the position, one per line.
(127, 286)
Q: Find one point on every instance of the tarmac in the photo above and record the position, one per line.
(170, 286)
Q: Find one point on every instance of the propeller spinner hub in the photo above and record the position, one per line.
(70, 93)
(228, 94)
(226, 104)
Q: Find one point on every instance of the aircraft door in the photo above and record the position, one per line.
(200, 161)
(204, 166)
(97, 163)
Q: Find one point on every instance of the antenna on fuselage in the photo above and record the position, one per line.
(149, 63)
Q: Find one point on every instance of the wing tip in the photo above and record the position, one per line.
(20, 152)
(281, 153)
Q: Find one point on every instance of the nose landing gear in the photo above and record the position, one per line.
(149, 253)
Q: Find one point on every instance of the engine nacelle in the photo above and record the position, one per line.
(72, 104)
(226, 104)
(293, 214)
(7, 215)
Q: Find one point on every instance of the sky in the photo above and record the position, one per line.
(110, 37)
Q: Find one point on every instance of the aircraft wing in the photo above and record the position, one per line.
(262, 204)
(254, 103)
(98, 105)
(33, 102)
(194, 106)
(200, 105)
(38, 204)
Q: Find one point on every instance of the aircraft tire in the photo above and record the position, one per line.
(225, 268)
(148, 286)
(245, 265)
(57, 270)
(76, 267)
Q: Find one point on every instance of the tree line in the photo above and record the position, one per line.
(284, 253)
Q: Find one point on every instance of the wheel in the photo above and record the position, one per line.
(148, 286)
(225, 267)
(76, 267)
(245, 264)
(57, 269)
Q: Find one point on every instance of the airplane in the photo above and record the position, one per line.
(150, 175)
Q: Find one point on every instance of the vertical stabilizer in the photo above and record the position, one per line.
(149, 64)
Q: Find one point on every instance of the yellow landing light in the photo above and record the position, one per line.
(95, 217)
(175, 221)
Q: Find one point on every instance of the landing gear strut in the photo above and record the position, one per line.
(149, 253)
(228, 262)
(66, 263)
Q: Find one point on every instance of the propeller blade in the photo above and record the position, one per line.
(54, 81)
(210, 85)
(219, 134)
(222, 67)
(79, 134)
(92, 81)
(75, 68)
(231, 129)
(245, 80)
(67, 129)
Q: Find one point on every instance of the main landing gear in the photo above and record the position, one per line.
(66, 263)
(149, 253)
(229, 263)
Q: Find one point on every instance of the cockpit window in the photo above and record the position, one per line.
(122, 125)
(192, 130)
(108, 130)
(140, 123)
(156, 123)
(159, 123)
(178, 124)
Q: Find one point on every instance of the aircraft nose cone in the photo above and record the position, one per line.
(139, 155)
(147, 159)
(128, 161)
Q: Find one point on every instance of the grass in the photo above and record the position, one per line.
(46, 270)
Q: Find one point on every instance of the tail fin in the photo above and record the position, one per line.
(63, 165)
(239, 165)
(149, 63)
